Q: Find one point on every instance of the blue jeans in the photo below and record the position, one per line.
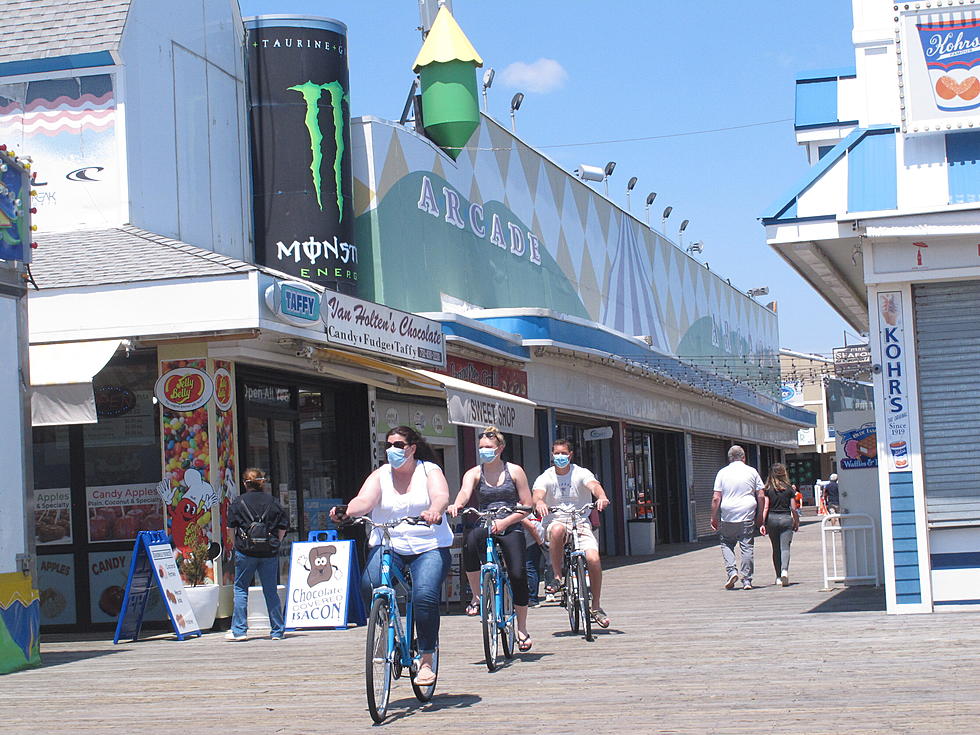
(268, 569)
(429, 570)
(533, 562)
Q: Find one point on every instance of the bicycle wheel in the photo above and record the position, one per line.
(582, 598)
(378, 658)
(488, 613)
(424, 694)
(570, 598)
(508, 626)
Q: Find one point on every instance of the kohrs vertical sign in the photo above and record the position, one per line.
(299, 121)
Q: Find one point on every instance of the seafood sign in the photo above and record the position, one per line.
(952, 53)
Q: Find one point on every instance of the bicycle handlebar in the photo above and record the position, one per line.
(570, 511)
(497, 512)
(368, 521)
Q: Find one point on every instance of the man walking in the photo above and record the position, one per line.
(260, 522)
(738, 500)
(831, 495)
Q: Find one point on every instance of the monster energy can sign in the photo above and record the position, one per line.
(299, 119)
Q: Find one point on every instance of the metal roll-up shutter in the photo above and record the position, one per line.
(707, 457)
(947, 336)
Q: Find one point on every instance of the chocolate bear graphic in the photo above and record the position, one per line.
(320, 569)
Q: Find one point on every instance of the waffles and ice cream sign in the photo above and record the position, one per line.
(939, 66)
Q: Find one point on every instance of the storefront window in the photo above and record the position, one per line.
(122, 454)
(318, 436)
(640, 491)
(52, 486)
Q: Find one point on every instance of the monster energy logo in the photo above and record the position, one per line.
(311, 95)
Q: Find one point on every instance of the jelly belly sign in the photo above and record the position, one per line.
(372, 327)
(939, 60)
(320, 584)
(184, 389)
(894, 365)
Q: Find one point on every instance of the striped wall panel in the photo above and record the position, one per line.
(906, 548)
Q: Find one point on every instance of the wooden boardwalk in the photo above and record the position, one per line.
(683, 655)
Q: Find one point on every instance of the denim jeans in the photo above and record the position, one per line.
(268, 570)
(429, 570)
(533, 563)
(742, 532)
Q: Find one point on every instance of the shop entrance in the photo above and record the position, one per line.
(596, 455)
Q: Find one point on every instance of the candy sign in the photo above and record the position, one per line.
(184, 389)
(222, 389)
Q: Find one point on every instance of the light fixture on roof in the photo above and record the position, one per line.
(487, 83)
(629, 188)
(695, 247)
(680, 232)
(650, 197)
(663, 219)
(515, 105)
(608, 170)
(760, 291)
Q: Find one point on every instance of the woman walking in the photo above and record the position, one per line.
(780, 519)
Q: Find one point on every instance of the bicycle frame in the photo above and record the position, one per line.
(492, 565)
(577, 601)
(390, 572)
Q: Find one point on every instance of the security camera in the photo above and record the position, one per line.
(876, 369)
(304, 351)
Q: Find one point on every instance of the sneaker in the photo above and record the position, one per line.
(230, 636)
(732, 579)
(747, 586)
(277, 637)
(549, 597)
(784, 578)
(779, 581)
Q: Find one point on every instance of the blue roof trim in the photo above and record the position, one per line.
(788, 200)
(542, 328)
(835, 124)
(487, 340)
(56, 63)
(793, 220)
(821, 75)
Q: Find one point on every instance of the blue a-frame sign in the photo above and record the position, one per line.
(153, 560)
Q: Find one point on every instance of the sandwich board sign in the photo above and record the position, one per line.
(324, 584)
(153, 562)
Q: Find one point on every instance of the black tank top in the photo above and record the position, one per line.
(494, 496)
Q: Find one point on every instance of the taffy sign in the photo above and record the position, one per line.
(938, 57)
(184, 389)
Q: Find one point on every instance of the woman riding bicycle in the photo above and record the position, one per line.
(497, 484)
(409, 485)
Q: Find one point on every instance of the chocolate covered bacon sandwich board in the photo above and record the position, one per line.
(153, 559)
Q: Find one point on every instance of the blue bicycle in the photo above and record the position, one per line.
(389, 652)
(577, 597)
(496, 596)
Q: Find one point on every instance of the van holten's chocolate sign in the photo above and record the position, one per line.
(371, 327)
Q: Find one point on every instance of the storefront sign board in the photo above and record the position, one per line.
(475, 409)
(294, 303)
(379, 329)
(430, 422)
(52, 516)
(897, 440)
(152, 565)
(323, 587)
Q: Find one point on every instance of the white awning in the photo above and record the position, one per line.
(61, 381)
(470, 404)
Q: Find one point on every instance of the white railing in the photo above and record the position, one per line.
(850, 549)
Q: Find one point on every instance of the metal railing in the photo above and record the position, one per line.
(850, 549)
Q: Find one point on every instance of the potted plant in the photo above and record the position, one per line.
(202, 593)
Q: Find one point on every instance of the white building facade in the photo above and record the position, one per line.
(886, 227)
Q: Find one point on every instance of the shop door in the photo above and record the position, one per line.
(270, 444)
(708, 456)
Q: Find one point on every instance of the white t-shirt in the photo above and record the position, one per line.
(406, 538)
(572, 488)
(738, 484)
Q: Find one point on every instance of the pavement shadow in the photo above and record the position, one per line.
(438, 702)
(853, 599)
(60, 658)
(597, 632)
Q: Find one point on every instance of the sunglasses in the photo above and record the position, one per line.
(397, 445)
(489, 435)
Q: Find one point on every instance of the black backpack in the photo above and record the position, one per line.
(256, 536)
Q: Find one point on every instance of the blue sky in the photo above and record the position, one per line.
(621, 69)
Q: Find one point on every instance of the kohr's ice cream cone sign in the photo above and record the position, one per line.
(952, 53)
(898, 435)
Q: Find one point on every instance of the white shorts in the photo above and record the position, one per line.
(586, 537)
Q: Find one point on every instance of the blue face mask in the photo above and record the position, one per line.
(396, 456)
(487, 455)
(561, 460)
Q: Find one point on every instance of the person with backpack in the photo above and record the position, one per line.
(260, 522)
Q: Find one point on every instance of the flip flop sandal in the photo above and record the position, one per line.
(555, 587)
(600, 617)
(473, 609)
(524, 643)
